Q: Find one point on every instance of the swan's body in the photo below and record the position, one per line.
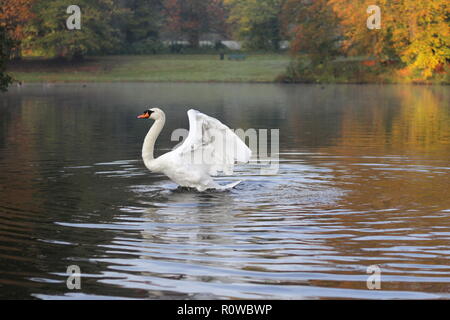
(209, 148)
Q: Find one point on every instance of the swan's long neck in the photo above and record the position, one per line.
(150, 139)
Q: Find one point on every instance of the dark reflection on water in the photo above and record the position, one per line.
(363, 180)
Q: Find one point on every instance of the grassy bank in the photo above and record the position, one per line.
(153, 68)
(209, 68)
(358, 70)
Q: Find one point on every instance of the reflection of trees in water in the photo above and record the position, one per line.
(21, 203)
(395, 152)
(411, 126)
(396, 119)
(381, 118)
(314, 115)
(18, 175)
(424, 123)
(41, 136)
(413, 123)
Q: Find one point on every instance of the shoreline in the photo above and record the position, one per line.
(89, 81)
(201, 68)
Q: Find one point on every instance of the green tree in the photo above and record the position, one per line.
(99, 27)
(5, 47)
(313, 28)
(256, 22)
(143, 20)
(192, 18)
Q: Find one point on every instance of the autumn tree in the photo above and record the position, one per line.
(425, 26)
(313, 28)
(357, 39)
(417, 32)
(256, 22)
(14, 16)
(192, 18)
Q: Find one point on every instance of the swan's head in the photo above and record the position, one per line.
(153, 113)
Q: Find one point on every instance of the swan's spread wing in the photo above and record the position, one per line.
(212, 145)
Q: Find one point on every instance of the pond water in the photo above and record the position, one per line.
(363, 179)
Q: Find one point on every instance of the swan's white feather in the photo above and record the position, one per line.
(212, 144)
(210, 147)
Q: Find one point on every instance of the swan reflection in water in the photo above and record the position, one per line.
(203, 244)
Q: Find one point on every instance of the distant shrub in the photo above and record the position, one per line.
(215, 48)
(218, 45)
(359, 69)
(307, 70)
(176, 48)
(148, 46)
(154, 46)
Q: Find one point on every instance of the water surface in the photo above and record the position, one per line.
(363, 179)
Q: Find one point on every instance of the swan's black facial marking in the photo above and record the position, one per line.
(149, 112)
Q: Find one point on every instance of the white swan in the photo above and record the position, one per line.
(209, 148)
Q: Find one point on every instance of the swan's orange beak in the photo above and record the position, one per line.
(145, 115)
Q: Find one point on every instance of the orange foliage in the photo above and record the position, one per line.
(369, 63)
(414, 32)
(313, 27)
(14, 14)
(191, 18)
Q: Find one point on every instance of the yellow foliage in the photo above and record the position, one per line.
(415, 31)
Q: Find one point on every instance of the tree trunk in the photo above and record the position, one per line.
(194, 40)
(77, 56)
